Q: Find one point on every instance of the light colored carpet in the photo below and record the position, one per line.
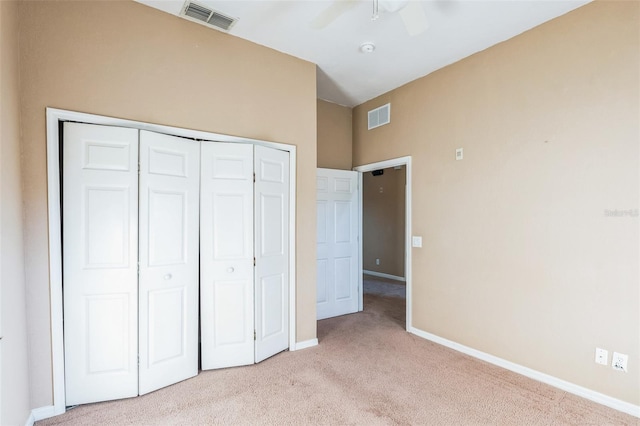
(366, 371)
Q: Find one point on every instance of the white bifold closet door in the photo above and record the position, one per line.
(337, 243)
(168, 283)
(271, 251)
(100, 262)
(127, 334)
(226, 255)
(244, 251)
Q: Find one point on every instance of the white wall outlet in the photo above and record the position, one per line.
(619, 361)
(416, 241)
(459, 154)
(377, 261)
(602, 356)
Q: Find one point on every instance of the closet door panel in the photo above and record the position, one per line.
(226, 255)
(169, 229)
(272, 251)
(100, 255)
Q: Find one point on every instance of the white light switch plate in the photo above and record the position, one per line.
(416, 241)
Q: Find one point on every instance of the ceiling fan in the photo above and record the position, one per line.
(410, 11)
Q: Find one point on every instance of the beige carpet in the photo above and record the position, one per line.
(366, 371)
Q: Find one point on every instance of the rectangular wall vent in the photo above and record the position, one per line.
(200, 13)
(379, 116)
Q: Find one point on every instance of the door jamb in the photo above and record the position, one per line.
(54, 211)
(401, 161)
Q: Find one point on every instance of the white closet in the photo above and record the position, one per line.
(150, 222)
(168, 256)
(244, 254)
(100, 262)
(271, 251)
(226, 275)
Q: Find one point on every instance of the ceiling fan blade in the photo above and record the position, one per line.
(414, 18)
(331, 13)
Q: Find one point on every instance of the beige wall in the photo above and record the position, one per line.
(14, 370)
(127, 60)
(383, 218)
(519, 259)
(334, 136)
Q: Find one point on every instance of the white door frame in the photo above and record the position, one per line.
(54, 118)
(401, 161)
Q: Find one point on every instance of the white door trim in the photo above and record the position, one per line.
(401, 161)
(54, 117)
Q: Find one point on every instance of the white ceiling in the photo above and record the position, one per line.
(457, 29)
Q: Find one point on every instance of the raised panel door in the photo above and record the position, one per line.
(100, 254)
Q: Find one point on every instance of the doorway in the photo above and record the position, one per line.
(383, 250)
(385, 244)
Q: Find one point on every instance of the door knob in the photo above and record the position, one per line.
(230, 269)
(168, 277)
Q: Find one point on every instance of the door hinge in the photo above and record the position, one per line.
(254, 261)
(254, 177)
(138, 168)
(138, 272)
(254, 335)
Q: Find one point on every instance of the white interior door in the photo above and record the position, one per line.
(272, 251)
(226, 255)
(169, 247)
(100, 259)
(337, 250)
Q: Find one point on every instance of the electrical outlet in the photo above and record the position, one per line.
(602, 356)
(619, 361)
(377, 261)
(459, 154)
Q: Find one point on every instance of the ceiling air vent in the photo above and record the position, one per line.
(200, 13)
(380, 116)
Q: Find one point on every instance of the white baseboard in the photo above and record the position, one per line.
(306, 344)
(30, 421)
(583, 392)
(383, 275)
(43, 412)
